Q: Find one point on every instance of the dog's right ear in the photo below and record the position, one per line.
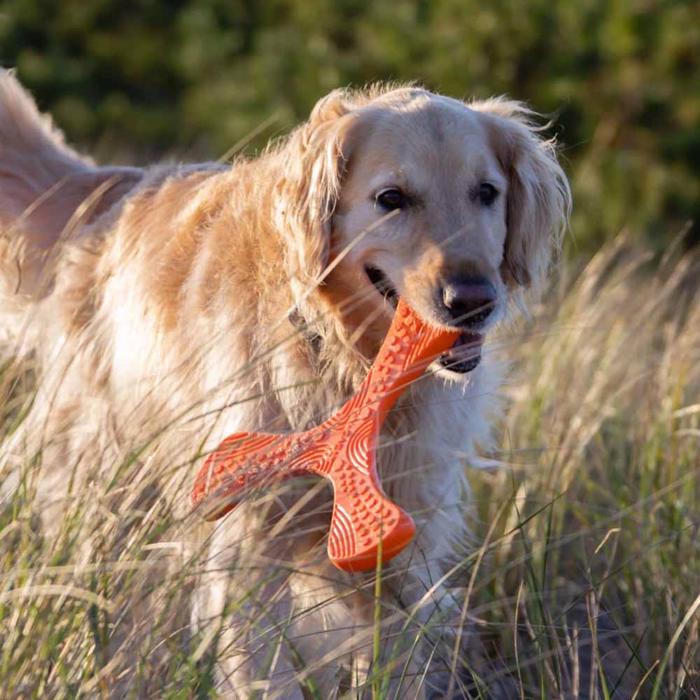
(315, 158)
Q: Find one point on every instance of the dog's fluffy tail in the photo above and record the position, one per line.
(33, 153)
(34, 159)
(44, 187)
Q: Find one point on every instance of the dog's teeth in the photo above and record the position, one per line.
(465, 354)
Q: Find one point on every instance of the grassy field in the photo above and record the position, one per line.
(587, 583)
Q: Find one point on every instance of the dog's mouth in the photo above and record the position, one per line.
(382, 284)
(462, 357)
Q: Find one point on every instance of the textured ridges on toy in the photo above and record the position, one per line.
(365, 523)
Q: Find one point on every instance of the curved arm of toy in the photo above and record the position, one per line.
(236, 465)
(409, 347)
(365, 523)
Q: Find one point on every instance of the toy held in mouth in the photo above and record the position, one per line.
(365, 523)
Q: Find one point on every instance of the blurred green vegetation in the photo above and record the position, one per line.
(137, 79)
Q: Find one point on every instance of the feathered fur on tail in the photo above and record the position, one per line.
(44, 187)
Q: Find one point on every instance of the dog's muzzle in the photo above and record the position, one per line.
(468, 303)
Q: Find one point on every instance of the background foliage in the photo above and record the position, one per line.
(139, 78)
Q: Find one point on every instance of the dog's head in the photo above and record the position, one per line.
(402, 192)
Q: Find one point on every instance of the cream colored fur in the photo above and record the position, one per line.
(158, 301)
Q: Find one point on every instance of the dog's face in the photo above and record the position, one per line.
(448, 206)
(422, 213)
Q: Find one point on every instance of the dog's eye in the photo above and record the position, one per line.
(487, 193)
(391, 199)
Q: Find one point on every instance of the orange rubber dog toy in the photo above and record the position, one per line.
(364, 521)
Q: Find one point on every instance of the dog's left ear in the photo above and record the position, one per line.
(317, 154)
(539, 198)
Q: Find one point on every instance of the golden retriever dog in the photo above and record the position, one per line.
(191, 302)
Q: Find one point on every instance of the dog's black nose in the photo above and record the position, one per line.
(469, 301)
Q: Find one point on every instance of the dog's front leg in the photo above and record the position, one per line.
(243, 610)
(433, 620)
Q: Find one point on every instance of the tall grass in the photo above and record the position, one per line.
(587, 581)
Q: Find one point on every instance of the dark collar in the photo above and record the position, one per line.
(312, 338)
